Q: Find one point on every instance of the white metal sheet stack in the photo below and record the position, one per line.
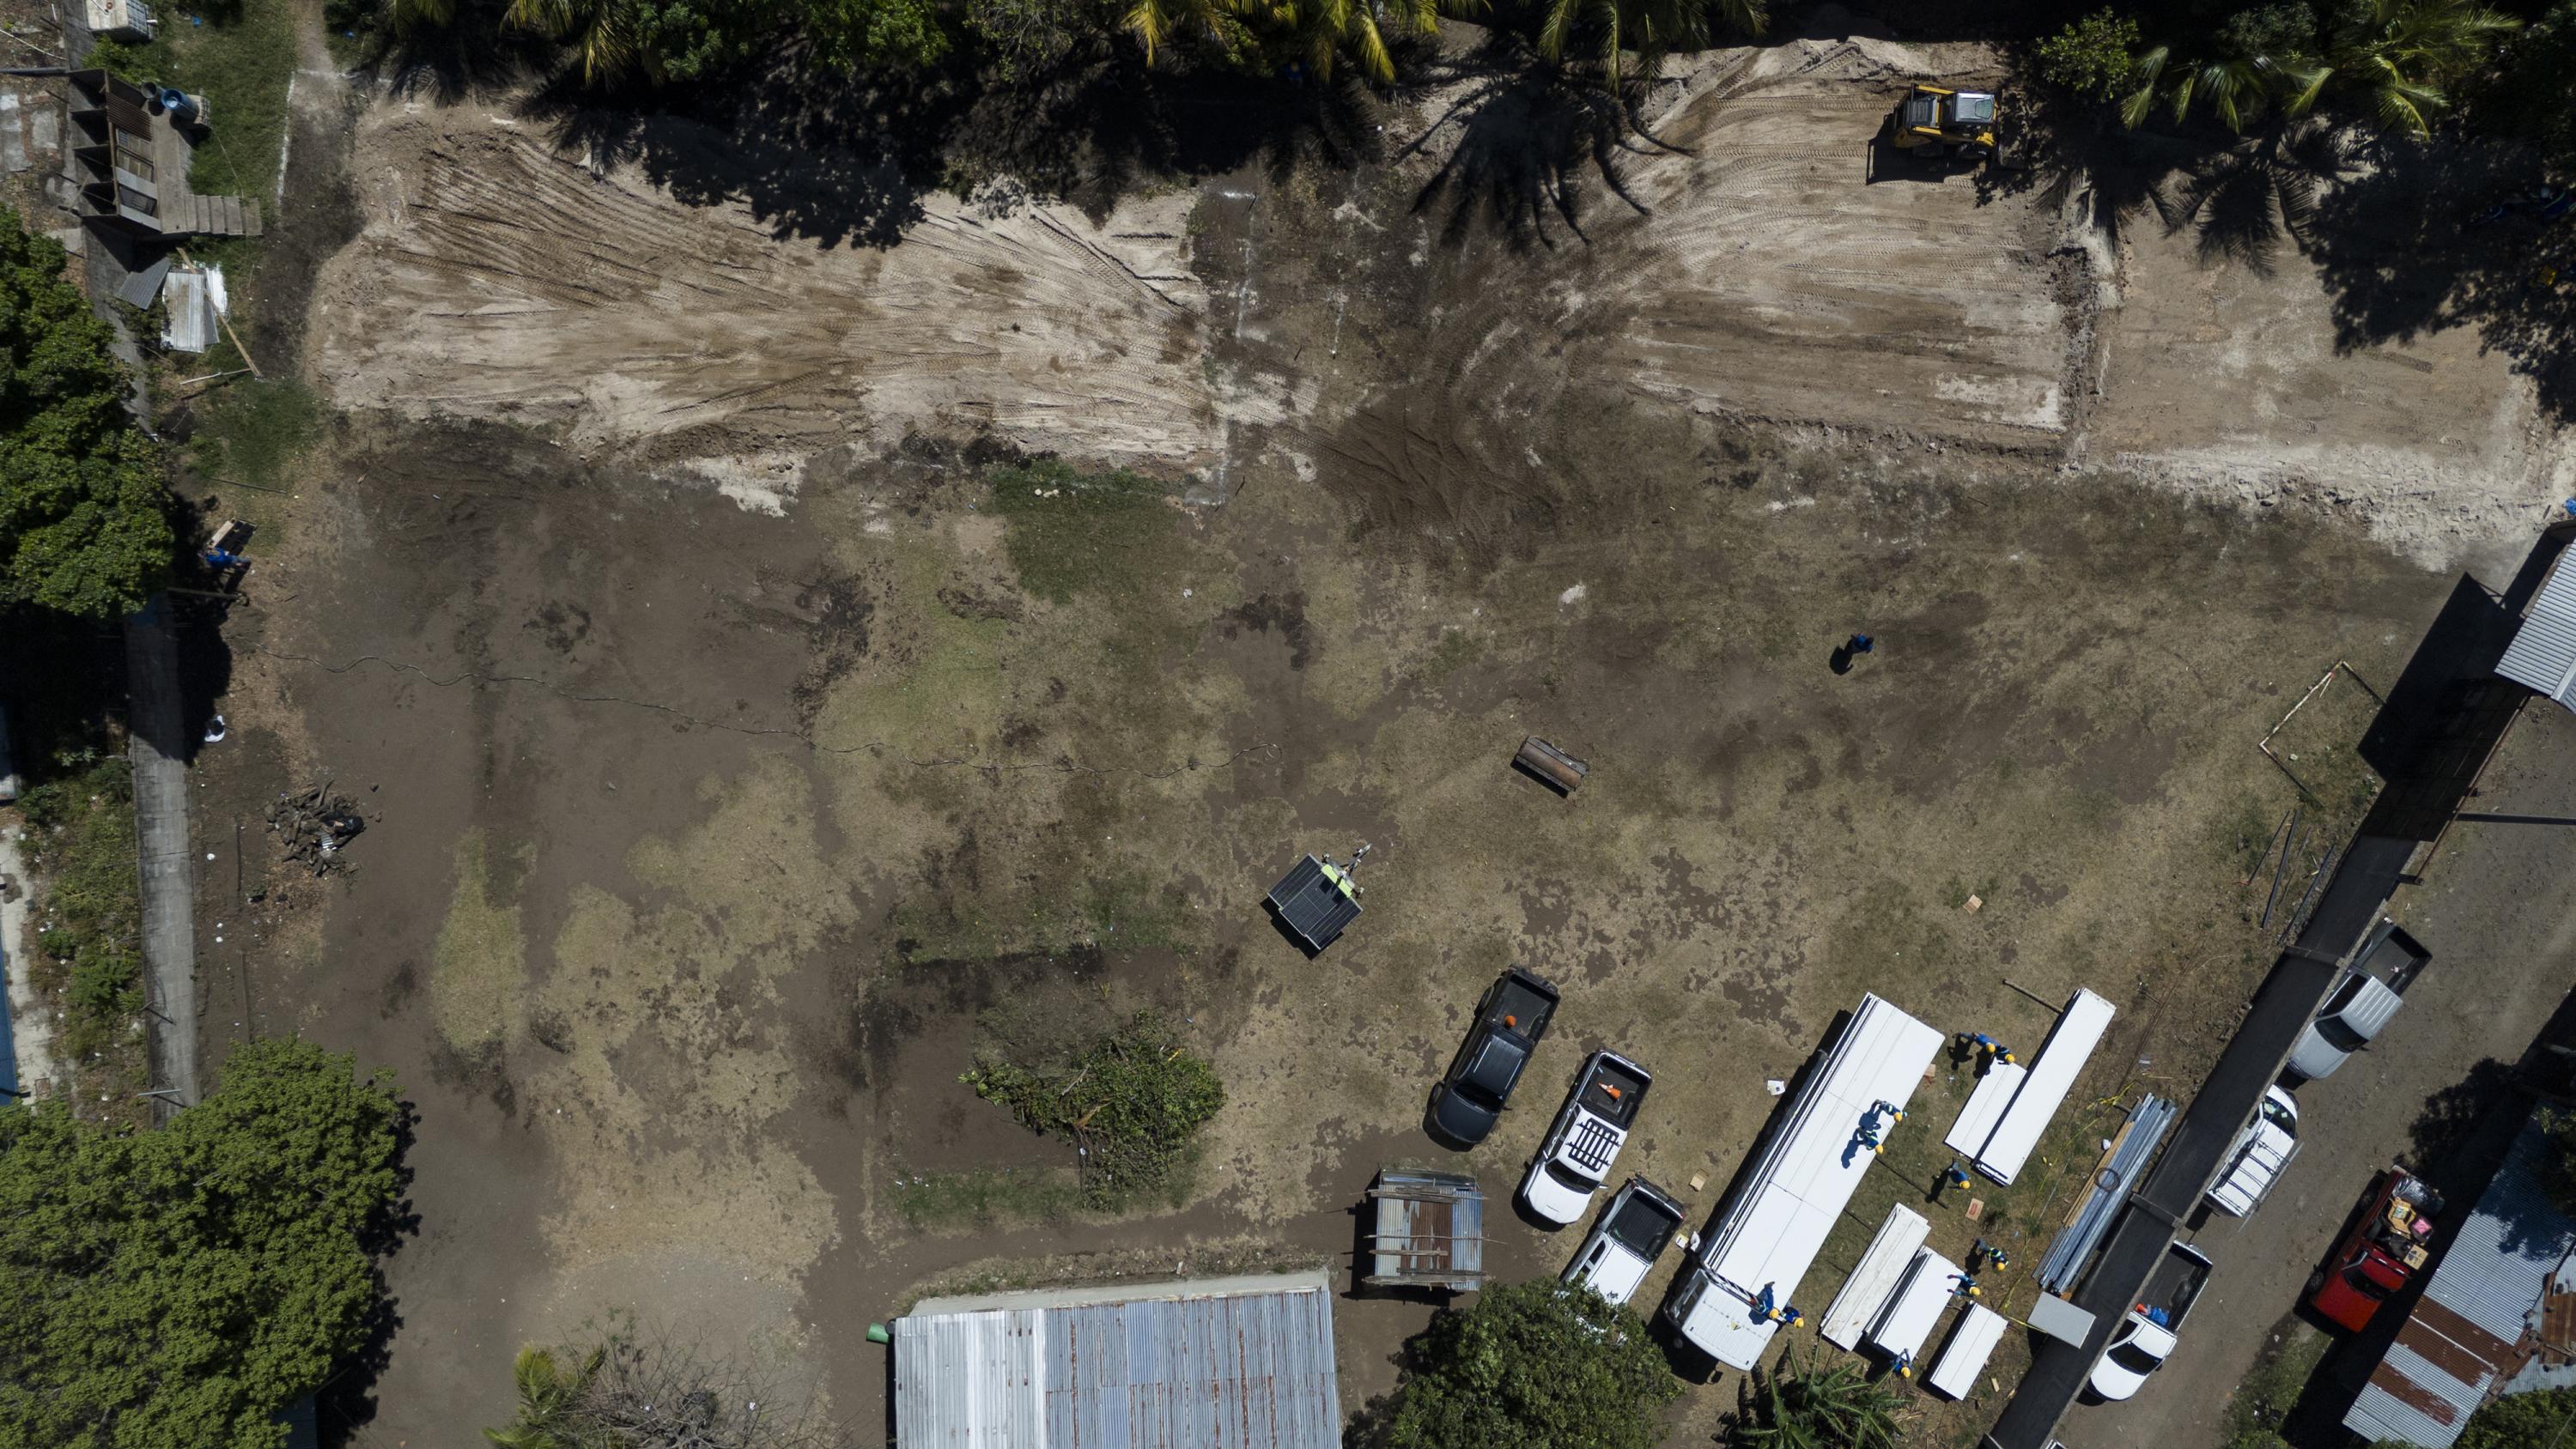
(2010, 1110)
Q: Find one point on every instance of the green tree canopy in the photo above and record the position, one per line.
(2091, 57)
(1536, 1365)
(2397, 58)
(2527, 94)
(2542, 1420)
(176, 1289)
(81, 526)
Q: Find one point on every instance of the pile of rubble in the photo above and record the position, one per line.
(316, 827)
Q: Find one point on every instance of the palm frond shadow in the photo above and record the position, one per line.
(1531, 139)
(2244, 200)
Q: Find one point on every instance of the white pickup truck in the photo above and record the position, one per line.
(2261, 1154)
(1634, 1231)
(1575, 1160)
(2148, 1333)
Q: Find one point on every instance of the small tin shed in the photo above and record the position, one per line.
(1428, 1231)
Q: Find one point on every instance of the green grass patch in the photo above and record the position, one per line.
(249, 431)
(2247, 835)
(241, 59)
(2261, 1408)
(1120, 911)
(1133, 1102)
(90, 945)
(1072, 532)
(969, 1201)
(1456, 650)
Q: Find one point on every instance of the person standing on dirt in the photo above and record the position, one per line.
(1850, 649)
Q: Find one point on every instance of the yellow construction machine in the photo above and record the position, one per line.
(1935, 124)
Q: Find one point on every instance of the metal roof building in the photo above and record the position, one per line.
(2543, 653)
(1208, 1363)
(2471, 1330)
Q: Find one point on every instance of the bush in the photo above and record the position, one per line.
(2523, 1422)
(81, 522)
(1133, 1101)
(2558, 1164)
(104, 983)
(1795, 1404)
(1536, 1365)
(182, 1286)
(2094, 58)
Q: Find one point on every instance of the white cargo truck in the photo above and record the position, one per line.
(1767, 1232)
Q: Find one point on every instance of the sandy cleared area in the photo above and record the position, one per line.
(497, 278)
(1778, 265)
(2227, 382)
(1792, 270)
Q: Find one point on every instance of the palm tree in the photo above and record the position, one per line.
(1317, 32)
(1795, 1405)
(2240, 88)
(603, 32)
(547, 1398)
(1651, 28)
(411, 15)
(2399, 54)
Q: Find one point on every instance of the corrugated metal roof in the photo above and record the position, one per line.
(1236, 1367)
(2543, 653)
(2462, 1336)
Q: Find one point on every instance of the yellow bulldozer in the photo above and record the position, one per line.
(1934, 124)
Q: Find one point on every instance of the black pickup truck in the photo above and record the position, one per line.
(1509, 1022)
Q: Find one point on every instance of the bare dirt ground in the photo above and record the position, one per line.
(726, 780)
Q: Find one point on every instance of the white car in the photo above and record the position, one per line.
(1634, 1231)
(1575, 1160)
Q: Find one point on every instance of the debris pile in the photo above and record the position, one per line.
(316, 826)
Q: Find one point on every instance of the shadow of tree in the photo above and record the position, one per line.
(346, 1404)
(840, 160)
(445, 63)
(2403, 257)
(1528, 135)
(2244, 199)
(2452, 1115)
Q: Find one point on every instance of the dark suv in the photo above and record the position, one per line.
(1509, 1022)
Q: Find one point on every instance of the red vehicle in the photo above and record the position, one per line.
(2383, 1250)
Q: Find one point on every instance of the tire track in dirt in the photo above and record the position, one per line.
(497, 279)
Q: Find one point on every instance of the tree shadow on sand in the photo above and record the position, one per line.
(2404, 255)
(849, 161)
(1526, 139)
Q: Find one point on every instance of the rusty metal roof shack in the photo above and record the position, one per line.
(2479, 1318)
(1428, 1231)
(1207, 1363)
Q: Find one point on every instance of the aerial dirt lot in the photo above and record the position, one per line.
(730, 777)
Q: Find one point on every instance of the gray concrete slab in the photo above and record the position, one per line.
(2493, 909)
(159, 752)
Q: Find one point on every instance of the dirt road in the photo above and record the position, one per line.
(2499, 942)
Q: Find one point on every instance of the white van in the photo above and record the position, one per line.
(2261, 1154)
